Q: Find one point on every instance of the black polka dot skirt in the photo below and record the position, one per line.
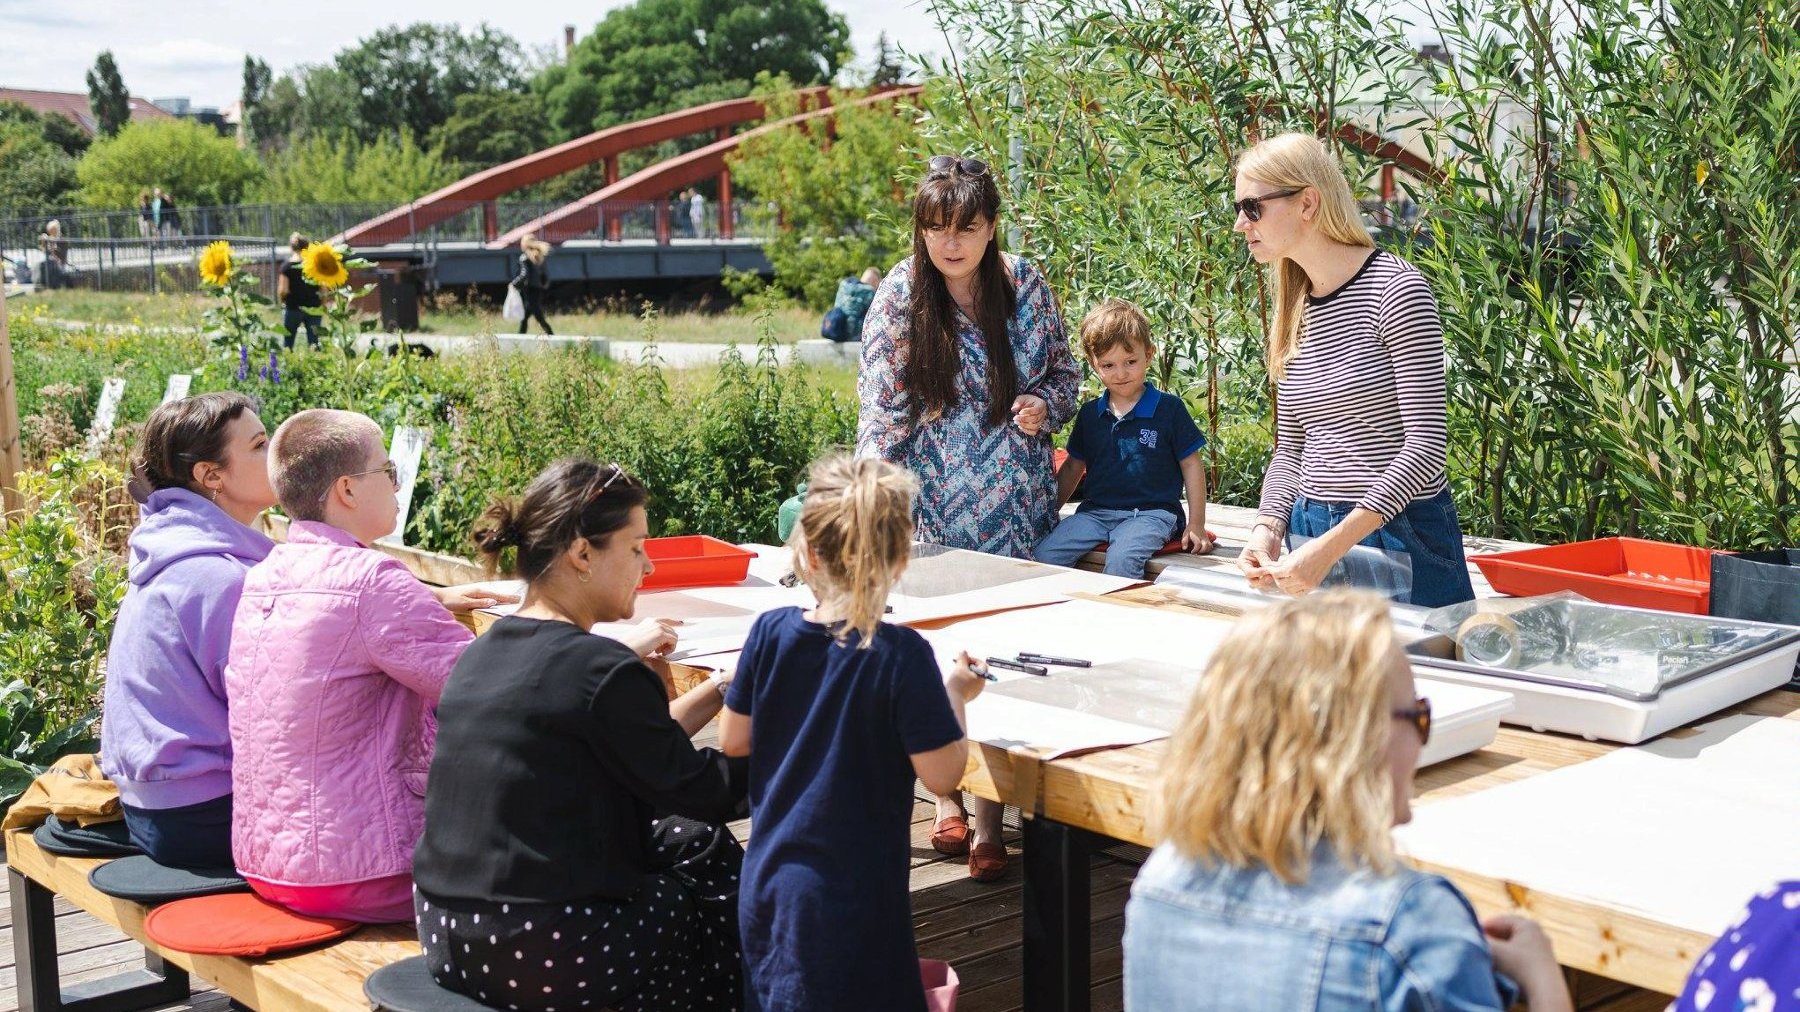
(674, 947)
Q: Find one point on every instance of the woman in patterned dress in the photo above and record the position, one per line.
(966, 372)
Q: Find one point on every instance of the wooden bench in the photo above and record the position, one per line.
(326, 979)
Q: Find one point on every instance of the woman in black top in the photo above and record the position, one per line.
(573, 851)
(532, 281)
(297, 295)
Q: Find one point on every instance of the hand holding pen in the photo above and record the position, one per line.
(967, 678)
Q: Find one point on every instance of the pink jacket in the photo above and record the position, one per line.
(338, 656)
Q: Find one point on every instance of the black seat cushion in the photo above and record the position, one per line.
(407, 986)
(142, 880)
(71, 839)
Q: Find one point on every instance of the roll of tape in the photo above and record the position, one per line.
(1488, 638)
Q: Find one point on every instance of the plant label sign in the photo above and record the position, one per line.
(104, 415)
(178, 386)
(406, 451)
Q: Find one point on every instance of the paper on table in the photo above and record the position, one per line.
(1049, 730)
(1089, 630)
(1681, 830)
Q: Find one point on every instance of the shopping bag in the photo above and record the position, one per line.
(1760, 587)
(514, 310)
(941, 985)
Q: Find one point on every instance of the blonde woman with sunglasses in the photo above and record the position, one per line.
(1357, 491)
(1276, 885)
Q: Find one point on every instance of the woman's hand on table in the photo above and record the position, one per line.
(471, 597)
(1523, 952)
(1257, 560)
(652, 637)
(1030, 412)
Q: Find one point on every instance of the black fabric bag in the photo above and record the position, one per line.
(1760, 587)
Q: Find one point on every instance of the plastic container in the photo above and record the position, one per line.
(1627, 571)
(695, 560)
(1465, 718)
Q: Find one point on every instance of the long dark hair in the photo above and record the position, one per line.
(954, 199)
(180, 434)
(572, 498)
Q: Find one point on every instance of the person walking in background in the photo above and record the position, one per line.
(146, 222)
(697, 214)
(157, 201)
(56, 256)
(532, 281)
(297, 295)
(171, 217)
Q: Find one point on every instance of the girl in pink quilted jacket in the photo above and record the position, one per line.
(338, 656)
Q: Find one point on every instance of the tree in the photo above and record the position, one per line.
(257, 79)
(341, 170)
(407, 79)
(107, 96)
(842, 208)
(35, 175)
(657, 56)
(487, 129)
(188, 159)
(59, 130)
(889, 70)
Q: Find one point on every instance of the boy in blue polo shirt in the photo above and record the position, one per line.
(1137, 447)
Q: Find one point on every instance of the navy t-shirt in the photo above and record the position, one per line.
(1134, 463)
(824, 909)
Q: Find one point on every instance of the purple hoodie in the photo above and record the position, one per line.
(165, 739)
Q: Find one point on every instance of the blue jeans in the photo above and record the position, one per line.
(193, 836)
(1133, 536)
(1416, 558)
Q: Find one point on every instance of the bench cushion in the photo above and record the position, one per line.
(407, 986)
(142, 880)
(71, 839)
(238, 924)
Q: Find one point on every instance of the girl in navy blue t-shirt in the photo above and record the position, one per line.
(847, 712)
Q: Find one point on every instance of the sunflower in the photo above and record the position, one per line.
(324, 266)
(215, 264)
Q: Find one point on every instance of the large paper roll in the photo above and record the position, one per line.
(1488, 638)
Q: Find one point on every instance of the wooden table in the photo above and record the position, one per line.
(1076, 804)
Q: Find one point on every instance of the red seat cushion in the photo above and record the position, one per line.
(238, 924)
(1169, 547)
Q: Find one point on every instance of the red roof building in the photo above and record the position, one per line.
(74, 105)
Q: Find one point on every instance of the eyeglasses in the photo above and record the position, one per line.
(392, 469)
(1419, 716)
(945, 163)
(1252, 207)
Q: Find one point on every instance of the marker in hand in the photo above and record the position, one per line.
(982, 670)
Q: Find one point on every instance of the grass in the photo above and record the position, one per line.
(141, 309)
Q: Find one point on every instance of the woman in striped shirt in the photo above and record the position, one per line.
(1357, 353)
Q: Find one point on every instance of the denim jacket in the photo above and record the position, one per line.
(1200, 938)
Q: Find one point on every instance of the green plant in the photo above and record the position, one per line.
(28, 743)
(189, 160)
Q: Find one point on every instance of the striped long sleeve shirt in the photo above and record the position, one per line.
(1360, 413)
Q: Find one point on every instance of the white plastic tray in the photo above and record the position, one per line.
(1598, 715)
(1464, 718)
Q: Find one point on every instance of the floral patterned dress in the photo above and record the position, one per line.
(1755, 965)
(981, 488)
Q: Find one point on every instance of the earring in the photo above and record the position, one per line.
(214, 496)
(583, 577)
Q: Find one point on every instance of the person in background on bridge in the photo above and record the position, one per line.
(297, 295)
(1275, 884)
(146, 217)
(156, 211)
(338, 655)
(56, 256)
(697, 214)
(201, 478)
(966, 371)
(575, 848)
(1357, 481)
(532, 281)
(171, 217)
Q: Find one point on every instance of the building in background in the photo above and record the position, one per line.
(74, 105)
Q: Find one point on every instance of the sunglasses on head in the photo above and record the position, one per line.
(1419, 716)
(946, 163)
(1252, 207)
(617, 472)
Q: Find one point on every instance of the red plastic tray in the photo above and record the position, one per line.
(695, 560)
(1628, 571)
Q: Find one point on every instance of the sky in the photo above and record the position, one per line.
(195, 49)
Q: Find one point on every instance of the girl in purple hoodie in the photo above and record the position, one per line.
(201, 478)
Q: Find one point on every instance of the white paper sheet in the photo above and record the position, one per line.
(1681, 830)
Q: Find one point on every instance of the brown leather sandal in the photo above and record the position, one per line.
(950, 835)
(987, 861)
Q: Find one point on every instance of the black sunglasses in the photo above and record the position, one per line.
(1419, 716)
(945, 163)
(1251, 207)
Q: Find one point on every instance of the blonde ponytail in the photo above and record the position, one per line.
(1299, 161)
(853, 538)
